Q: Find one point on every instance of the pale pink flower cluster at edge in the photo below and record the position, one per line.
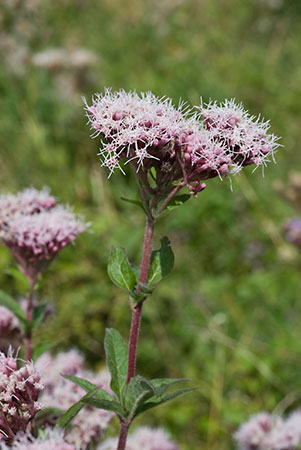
(264, 431)
(143, 438)
(35, 229)
(19, 392)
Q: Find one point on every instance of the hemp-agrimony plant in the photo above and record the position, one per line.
(169, 149)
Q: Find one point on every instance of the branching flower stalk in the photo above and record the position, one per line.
(169, 149)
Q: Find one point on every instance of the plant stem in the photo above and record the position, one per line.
(136, 319)
(137, 310)
(122, 436)
(29, 308)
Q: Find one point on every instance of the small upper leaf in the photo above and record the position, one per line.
(74, 410)
(162, 261)
(162, 384)
(176, 201)
(119, 269)
(117, 361)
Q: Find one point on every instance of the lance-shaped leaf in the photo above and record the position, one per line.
(108, 405)
(138, 391)
(162, 261)
(134, 202)
(162, 384)
(40, 349)
(153, 402)
(176, 201)
(119, 269)
(117, 361)
(22, 280)
(38, 315)
(11, 304)
(74, 410)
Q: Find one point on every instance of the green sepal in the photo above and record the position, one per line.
(117, 361)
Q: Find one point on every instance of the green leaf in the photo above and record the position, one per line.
(88, 387)
(108, 405)
(40, 349)
(23, 283)
(138, 390)
(176, 201)
(117, 361)
(136, 271)
(11, 304)
(38, 315)
(47, 413)
(162, 384)
(74, 410)
(119, 269)
(134, 202)
(152, 403)
(162, 261)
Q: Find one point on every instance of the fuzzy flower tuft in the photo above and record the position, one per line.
(183, 147)
(19, 391)
(49, 439)
(266, 432)
(143, 438)
(28, 201)
(35, 230)
(246, 137)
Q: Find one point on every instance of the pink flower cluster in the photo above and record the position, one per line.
(143, 438)
(49, 439)
(266, 432)
(35, 230)
(19, 391)
(89, 424)
(180, 145)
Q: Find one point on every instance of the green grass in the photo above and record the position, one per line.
(228, 316)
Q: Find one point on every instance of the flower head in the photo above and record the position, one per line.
(172, 145)
(19, 391)
(143, 438)
(35, 230)
(48, 439)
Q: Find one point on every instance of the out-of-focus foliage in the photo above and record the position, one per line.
(228, 316)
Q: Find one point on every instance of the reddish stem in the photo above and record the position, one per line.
(122, 436)
(137, 310)
(136, 319)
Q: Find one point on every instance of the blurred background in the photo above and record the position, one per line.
(229, 314)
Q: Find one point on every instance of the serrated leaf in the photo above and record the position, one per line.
(119, 269)
(162, 384)
(117, 361)
(106, 404)
(138, 390)
(74, 410)
(176, 201)
(11, 304)
(162, 261)
(152, 403)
